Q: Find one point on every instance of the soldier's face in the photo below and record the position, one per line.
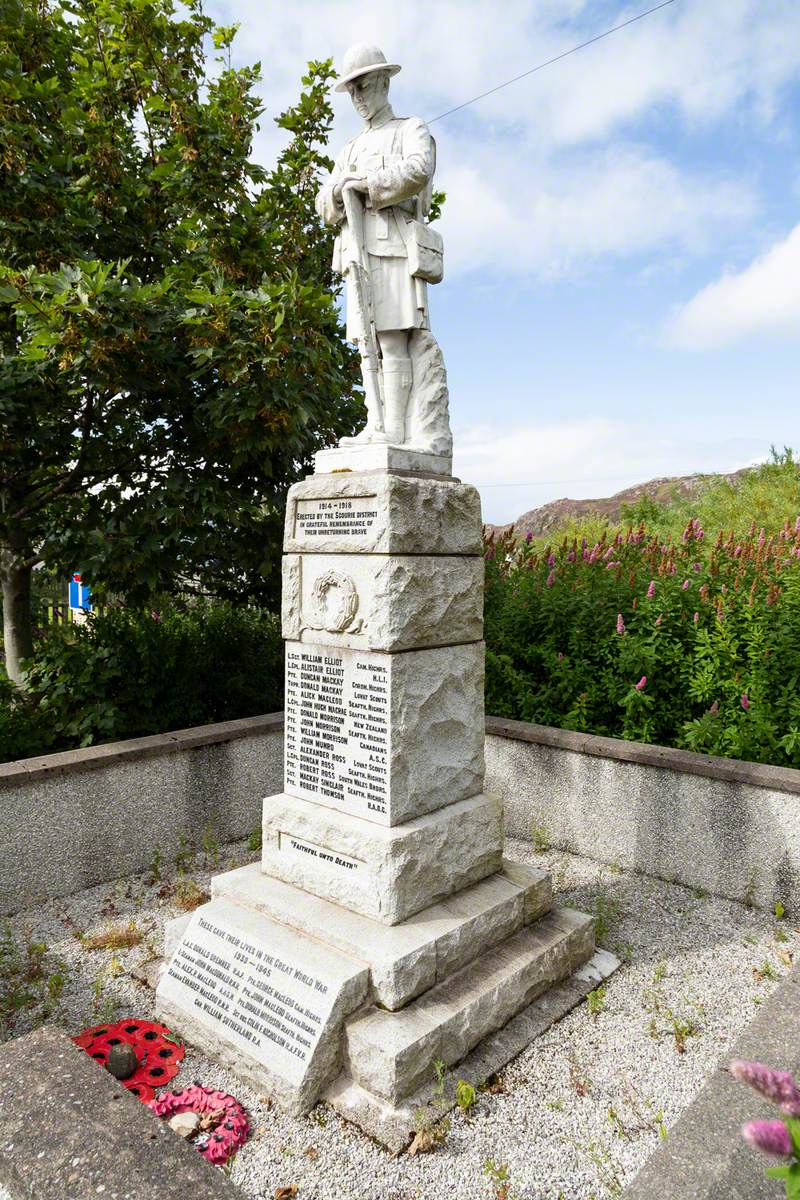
(368, 93)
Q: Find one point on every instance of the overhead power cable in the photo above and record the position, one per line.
(552, 482)
(598, 38)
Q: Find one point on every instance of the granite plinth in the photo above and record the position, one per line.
(390, 1054)
(265, 1000)
(382, 456)
(407, 959)
(386, 602)
(385, 872)
(394, 1125)
(382, 513)
(386, 737)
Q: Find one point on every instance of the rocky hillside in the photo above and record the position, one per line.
(550, 516)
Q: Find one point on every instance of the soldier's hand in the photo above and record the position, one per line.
(355, 183)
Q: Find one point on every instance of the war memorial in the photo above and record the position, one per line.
(382, 932)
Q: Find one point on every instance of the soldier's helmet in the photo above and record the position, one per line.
(361, 59)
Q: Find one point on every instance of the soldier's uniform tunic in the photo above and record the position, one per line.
(397, 155)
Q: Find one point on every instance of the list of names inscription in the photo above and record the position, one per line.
(337, 728)
(252, 996)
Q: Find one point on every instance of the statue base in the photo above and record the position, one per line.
(382, 456)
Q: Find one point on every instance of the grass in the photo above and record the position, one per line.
(29, 979)
(116, 937)
(606, 912)
(189, 895)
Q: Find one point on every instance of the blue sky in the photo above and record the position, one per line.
(622, 289)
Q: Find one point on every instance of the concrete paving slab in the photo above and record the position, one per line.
(705, 1157)
(71, 1131)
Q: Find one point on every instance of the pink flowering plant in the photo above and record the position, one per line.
(778, 1138)
(690, 641)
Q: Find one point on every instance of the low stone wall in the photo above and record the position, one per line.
(82, 817)
(86, 816)
(731, 828)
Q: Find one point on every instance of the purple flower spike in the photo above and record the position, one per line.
(620, 624)
(550, 578)
(770, 1136)
(696, 617)
(651, 591)
(684, 585)
(529, 536)
(642, 684)
(778, 1086)
(745, 701)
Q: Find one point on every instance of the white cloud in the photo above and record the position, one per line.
(703, 56)
(510, 214)
(761, 301)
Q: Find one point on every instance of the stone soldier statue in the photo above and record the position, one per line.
(379, 193)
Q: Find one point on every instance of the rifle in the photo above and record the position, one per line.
(361, 297)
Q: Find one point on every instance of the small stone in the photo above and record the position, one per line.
(185, 1124)
(122, 1060)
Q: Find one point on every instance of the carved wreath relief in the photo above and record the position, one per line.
(334, 604)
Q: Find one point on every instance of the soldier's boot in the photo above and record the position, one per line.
(373, 431)
(396, 391)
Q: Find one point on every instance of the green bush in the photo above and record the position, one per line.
(675, 642)
(24, 730)
(128, 674)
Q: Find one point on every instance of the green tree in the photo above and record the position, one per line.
(172, 355)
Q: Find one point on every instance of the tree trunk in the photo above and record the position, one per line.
(17, 619)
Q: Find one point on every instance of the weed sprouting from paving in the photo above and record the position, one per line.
(189, 894)
(499, 1179)
(540, 838)
(466, 1096)
(596, 1000)
(606, 911)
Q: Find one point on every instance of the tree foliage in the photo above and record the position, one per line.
(172, 354)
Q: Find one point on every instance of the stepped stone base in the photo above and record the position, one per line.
(304, 999)
(391, 1054)
(393, 1125)
(388, 873)
(407, 959)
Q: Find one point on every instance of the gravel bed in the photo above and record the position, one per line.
(579, 1111)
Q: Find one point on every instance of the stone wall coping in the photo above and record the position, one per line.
(687, 762)
(66, 762)
(729, 770)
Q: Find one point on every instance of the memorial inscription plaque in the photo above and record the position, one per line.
(335, 860)
(347, 516)
(337, 728)
(258, 986)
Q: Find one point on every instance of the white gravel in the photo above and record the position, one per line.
(581, 1109)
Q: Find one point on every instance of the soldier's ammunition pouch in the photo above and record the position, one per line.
(424, 247)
